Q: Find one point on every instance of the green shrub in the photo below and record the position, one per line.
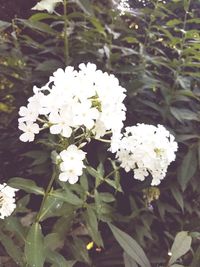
(154, 51)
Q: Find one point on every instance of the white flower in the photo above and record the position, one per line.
(61, 122)
(147, 149)
(99, 129)
(72, 164)
(85, 114)
(48, 5)
(29, 113)
(30, 129)
(123, 6)
(87, 99)
(7, 200)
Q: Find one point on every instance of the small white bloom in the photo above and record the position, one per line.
(29, 113)
(85, 114)
(72, 164)
(72, 153)
(99, 129)
(147, 149)
(48, 5)
(70, 175)
(7, 200)
(29, 129)
(61, 122)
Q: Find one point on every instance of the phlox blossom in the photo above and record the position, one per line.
(30, 129)
(147, 149)
(7, 200)
(86, 99)
(71, 165)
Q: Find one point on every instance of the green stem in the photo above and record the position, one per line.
(178, 70)
(150, 24)
(147, 40)
(46, 195)
(103, 140)
(111, 173)
(66, 46)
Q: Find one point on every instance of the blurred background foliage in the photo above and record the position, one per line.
(154, 50)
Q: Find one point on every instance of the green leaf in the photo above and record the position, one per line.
(173, 22)
(40, 16)
(34, 246)
(97, 24)
(52, 207)
(181, 246)
(86, 6)
(196, 258)
(106, 197)
(198, 151)
(130, 39)
(12, 250)
(178, 196)
(39, 26)
(67, 196)
(84, 182)
(39, 156)
(78, 248)
(128, 261)
(94, 173)
(182, 114)
(27, 185)
(52, 241)
(130, 246)
(13, 225)
(4, 25)
(92, 226)
(188, 168)
(104, 210)
(186, 4)
(49, 65)
(114, 184)
(58, 260)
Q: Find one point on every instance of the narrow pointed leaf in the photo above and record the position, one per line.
(181, 246)
(130, 246)
(128, 261)
(92, 226)
(86, 6)
(67, 196)
(34, 246)
(27, 185)
(12, 250)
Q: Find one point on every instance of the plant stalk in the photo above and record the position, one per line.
(46, 195)
(66, 45)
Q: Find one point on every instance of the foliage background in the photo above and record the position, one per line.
(155, 52)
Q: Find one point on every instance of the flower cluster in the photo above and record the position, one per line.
(7, 200)
(87, 103)
(48, 5)
(88, 99)
(147, 149)
(71, 164)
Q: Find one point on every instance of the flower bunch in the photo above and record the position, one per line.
(88, 99)
(76, 105)
(147, 149)
(7, 200)
(71, 164)
(88, 103)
